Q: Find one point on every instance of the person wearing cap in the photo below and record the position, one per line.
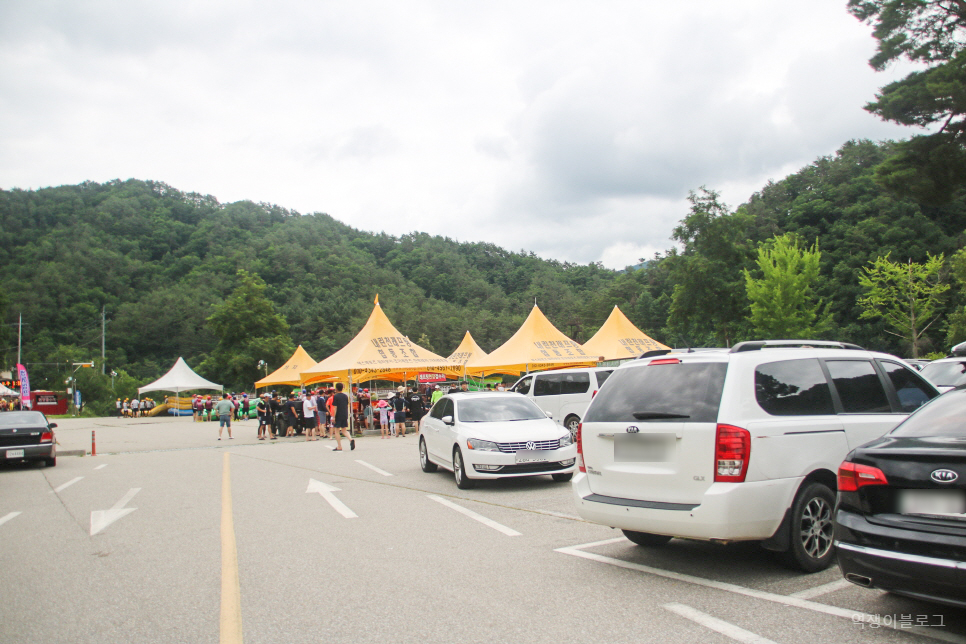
(209, 407)
(264, 412)
(437, 394)
(399, 410)
(308, 413)
(118, 408)
(244, 407)
(383, 407)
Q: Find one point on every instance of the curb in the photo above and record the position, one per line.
(72, 452)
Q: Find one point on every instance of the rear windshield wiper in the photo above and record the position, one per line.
(653, 415)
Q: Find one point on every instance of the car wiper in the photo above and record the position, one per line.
(653, 415)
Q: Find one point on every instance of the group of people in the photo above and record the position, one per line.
(325, 412)
(134, 408)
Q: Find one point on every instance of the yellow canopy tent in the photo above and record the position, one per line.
(289, 373)
(619, 338)
(378, 352)
(468, 351)
(536, 346)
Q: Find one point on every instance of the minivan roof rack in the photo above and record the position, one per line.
(757, 345)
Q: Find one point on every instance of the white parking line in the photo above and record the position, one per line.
(824, 589)
(725, 628)
(477, 517)
(8, 516)
(856, 617)
(68, 484)
(373, 468)
(100, 467)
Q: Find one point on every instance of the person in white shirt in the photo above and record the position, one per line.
(135, 404)
(308, 411)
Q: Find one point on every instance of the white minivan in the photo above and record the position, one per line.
(564, 393)
(737, 445)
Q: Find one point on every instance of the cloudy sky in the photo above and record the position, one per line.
(568, 127)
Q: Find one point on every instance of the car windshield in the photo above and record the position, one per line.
(498, 409)
(944, 415)
(14, 419)
(945, 374)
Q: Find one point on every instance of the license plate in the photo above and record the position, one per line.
(14, 453)
(642, 448)
(936, 502)
(532, 456)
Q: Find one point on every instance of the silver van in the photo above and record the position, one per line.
(564, 393)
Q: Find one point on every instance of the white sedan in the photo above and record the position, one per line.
(489, 435)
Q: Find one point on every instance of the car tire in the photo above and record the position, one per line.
(463, 482)
(428, 466)
(562, 478)
(50, 462)
(810, 545)
(647, 539)
(571, 422)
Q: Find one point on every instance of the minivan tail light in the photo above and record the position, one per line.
(664, 361)
(732, 449)
(580, 448)
(47, 437)
(852, 476)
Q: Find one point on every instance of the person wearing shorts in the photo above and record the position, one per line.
(291, 415)
(340, 404)
(264, 412)
(224, 409)
(308, 412)
(399, 409)
(383, 407)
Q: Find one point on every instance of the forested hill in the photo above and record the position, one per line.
(161, 262)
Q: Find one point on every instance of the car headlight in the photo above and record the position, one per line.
(566, 440)
(486, 446)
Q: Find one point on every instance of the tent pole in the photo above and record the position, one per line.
(351, 428)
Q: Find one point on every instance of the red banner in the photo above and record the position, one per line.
(431, 377)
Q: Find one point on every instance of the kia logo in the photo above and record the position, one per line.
(633, 429)
(944, 476)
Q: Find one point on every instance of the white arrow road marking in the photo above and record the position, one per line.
(7, 517)
(725, 628)
(100, 519)
(373, 468)
(478, 517)
(326, 492)
(824, 589)
(68, 484)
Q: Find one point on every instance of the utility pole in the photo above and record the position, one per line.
(19, 336)
(103, 335)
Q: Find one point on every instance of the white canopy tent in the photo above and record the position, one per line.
(7, 391)
(180, 378)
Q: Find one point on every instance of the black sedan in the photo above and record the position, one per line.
(27, 435)
(900, 521)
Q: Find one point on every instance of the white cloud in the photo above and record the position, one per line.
(573, 129)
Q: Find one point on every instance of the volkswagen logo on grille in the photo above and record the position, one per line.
(531, 446)
(944, 476)
(633, 429)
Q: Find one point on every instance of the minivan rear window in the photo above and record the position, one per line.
(677, 392)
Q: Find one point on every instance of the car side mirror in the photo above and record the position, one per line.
(447, 420)
(52, 425)
(549, 414)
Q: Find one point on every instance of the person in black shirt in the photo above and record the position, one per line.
(417, 408)
(264, 410)
(340, 402)
(276, 407)
(291, 415)
(399, 409)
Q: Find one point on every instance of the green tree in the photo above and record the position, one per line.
(907, 296)
(708, 301)
(931, 167)
(248, 329)
(783, 301)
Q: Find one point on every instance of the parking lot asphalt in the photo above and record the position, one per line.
(362, 546)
